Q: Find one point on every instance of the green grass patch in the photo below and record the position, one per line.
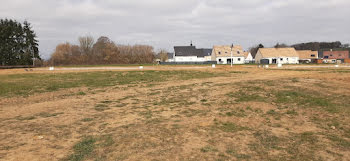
(87, 119)
(239, 156)
(208, 148)
(26, 84)
(230, 127)
(237, 113)
(83, 149)
(242, 96)
(339, 142)
(266, 141)
(305, 98)
(239, 72)
(81, 93)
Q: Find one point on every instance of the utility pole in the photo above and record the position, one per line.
(231, 55)
(33, 60)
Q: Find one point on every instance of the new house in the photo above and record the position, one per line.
(277, 56)
(191, 54)
(222, 54)
(334, 56)
(307, 56)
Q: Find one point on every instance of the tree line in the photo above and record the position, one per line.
(103, 51)
(18, 43)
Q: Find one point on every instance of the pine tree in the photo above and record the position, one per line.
(18, 44)
(31, 44)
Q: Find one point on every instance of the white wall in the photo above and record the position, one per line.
(236, 60)
(207, 58)
(285, 60)
(189, 59)
(249, 58)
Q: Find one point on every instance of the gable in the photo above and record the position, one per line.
(225, 51)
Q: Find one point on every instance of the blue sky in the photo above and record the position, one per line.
(165, 23)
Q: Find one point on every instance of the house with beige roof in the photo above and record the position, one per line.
(222, 54)
(306, 56)
(277, 56)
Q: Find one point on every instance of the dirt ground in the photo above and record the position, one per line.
(248, 113)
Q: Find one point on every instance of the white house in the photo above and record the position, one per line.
(248, 58)
(191, 54)
(277, 56)
(222, 54)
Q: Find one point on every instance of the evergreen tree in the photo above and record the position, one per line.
(18, 44)
(31, 44)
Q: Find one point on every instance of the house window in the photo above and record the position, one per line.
(219, 60)
(331, 54)
(312, 55)
(326, 57)
(239, 59)
(226, 52)
(287, 59)
(281, 59)
(238, 52)
(219, 53)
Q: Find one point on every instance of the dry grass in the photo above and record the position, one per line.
(241, 114)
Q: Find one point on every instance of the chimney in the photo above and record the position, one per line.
(331, 49)
(191, 43)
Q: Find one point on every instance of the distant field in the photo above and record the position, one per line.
(200, 114)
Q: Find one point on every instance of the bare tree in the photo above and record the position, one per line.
(86, 44)
(162, 55)
(282, 45)
(254, 49)
(104, 51)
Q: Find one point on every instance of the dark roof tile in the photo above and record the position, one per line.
(191, 51)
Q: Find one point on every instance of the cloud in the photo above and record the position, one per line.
(164, 24)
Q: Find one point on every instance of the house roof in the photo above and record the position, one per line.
(306, 54)
(191, 51)
(225, 50)
(170, 55)
(278, 52)
(206, 52)
(246, 54)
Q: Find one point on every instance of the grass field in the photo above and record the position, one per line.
(203, 114)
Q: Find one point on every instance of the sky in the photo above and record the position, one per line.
(167, 23)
